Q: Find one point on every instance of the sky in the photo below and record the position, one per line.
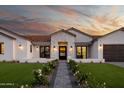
(44, 20)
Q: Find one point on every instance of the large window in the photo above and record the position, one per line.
(1, 48)
(81, 52)
(45, 51)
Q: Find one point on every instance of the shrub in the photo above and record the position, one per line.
(46, 69)
(41, 75)
(4, 61)
(15, 61)
(91, 62)
(40, 78)
(85, 79)
(53, 64)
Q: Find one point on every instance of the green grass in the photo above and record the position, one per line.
(16, 74)
(112, 75)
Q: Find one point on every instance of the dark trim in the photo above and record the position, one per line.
(44, 52)
(7, 35)
(30, 48)
(10, 31)
(74, 29)
(65, 31)
(1, 47)
(64, 58)
(120, 29)
(81, 52)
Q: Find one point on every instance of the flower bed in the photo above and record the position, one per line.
(84, 79)
(43, 76)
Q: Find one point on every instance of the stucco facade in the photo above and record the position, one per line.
(76, 45)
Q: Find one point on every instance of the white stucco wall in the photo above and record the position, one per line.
(12, 50)
(29, 54)
(8, 48)
(81, 37)
(94, 50)
(36, 53)
(62, 37)
(113, 38)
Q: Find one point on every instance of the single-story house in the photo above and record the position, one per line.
(63, 44)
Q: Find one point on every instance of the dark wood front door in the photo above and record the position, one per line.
(113, 53)
(62, 52)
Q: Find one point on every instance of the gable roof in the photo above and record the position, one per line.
(65, 31)
(37, 38)
(120, 29)
(74, 29)
(7, 35)
(11, 32)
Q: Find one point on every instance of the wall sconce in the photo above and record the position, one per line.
(71, 48)
(37, 48)
(54, 48)
(100, 46)
(20, 46)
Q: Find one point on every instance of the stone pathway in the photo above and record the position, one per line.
(62, 79)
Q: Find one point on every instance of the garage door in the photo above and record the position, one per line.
(113, 53)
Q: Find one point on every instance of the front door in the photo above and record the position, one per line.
(62, 52)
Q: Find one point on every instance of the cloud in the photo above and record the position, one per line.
(48, 19)
(65, 10)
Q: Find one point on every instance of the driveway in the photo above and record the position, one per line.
(121, 64)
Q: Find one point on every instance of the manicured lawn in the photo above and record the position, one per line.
(15, 74)
(112, 75)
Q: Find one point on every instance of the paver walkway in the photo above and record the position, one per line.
(62, 79)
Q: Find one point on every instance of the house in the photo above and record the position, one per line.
(63, 44)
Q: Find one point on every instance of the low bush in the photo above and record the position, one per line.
(41, 75)
(46, 69)
(84, 79)
(40, 78)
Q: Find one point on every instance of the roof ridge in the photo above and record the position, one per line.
(62, 30)
(72, 28)
(10, 31)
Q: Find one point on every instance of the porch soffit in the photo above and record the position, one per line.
(83, 43)
(40, 43)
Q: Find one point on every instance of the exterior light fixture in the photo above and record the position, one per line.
(71, 48)
(54, 48)
(20, 46)
(100, 46)
(37, 48)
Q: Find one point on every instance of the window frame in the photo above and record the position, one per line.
(44, 52)
(78, 57)
(1, 48)
(30, 48)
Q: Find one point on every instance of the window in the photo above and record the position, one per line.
(31, 48)
(81, 52)
(1, 48)
(45, 51)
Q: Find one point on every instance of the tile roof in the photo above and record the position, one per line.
(37, 38)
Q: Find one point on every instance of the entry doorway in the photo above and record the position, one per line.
(62, 52)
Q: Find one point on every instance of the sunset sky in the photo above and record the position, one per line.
(94, 20)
